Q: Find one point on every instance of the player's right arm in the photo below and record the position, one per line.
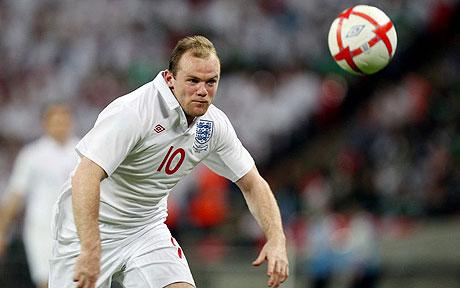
(85, 204)
(13, 202)
(9, 209)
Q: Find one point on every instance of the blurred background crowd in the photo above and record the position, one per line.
(350, 159)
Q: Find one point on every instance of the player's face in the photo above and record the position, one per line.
(195, 83)
(57, 122)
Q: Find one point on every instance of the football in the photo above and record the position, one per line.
(362, 39)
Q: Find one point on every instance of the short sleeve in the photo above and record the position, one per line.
(21, 173)
(115, 133)
(229, 159)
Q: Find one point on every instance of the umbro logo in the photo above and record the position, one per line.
(158, 128)
(354, 31)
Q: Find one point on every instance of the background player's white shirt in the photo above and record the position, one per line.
(39, 172)
(145, 146)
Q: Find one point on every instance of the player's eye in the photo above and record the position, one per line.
(193, 81)
(211, 82)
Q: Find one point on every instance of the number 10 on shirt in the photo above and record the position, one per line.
(169, 159)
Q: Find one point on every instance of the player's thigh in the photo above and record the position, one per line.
(38, 245)
(63, 259)
(62, 273)
(157, 263)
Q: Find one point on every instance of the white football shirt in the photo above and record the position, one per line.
(145, 146)
(39, 172)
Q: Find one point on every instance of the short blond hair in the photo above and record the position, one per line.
(199, 46)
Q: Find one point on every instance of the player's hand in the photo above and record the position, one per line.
(87, 269)
(274, 252)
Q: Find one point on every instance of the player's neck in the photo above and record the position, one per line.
(190, 119)
(61, 141)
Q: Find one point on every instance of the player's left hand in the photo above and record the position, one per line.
(274, 252)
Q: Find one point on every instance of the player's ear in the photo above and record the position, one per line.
(169, 78)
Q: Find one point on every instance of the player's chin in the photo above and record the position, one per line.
(199, 110)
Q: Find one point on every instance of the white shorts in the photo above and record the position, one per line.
(149, 258)
(38, 243)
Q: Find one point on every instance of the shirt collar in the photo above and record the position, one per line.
(51, 141)
(171, 101)
(165, 92)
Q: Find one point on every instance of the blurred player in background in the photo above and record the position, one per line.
(109, 222)
(40, 170)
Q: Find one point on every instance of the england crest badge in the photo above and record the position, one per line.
(204, 129)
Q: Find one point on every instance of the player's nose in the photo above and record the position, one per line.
(202, 90)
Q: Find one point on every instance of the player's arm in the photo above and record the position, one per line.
(9, 209)
(85, 204)
(263, 206)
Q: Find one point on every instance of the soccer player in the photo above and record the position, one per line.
(109, 223)
(40, 170)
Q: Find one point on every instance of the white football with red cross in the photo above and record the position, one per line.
(362, 39)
